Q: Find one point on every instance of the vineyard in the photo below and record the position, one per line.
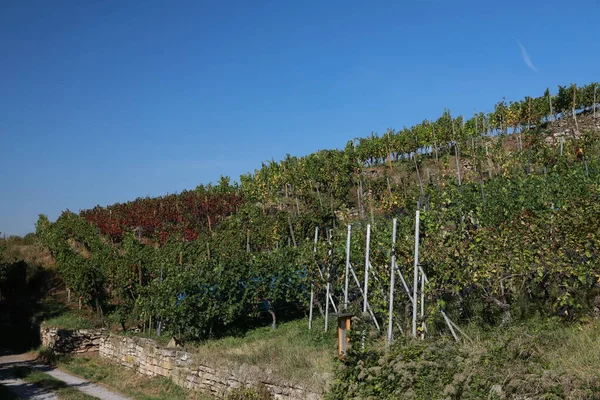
(508, 203)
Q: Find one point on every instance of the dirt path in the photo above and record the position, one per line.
(24, 390)
(27, 390)
(81, 384)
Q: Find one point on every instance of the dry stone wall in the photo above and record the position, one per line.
(147, 357)
(65, 341)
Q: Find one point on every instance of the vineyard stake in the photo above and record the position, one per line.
(416, 276)
(366, 289)
(422, 304)
(561, 145)
(362, 293)
(312, 285)
(159, 327)
(328, 285)
(406, 288)
(449, 325)
(448, 321)
(392, 281)
(347, 266)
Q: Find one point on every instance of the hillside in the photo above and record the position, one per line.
(230, 252)
(507, 201)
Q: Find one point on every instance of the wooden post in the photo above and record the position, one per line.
(344, 323)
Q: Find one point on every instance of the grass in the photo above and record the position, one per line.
(574, 354)
(546, 356)
(126, 381)
(49, 383)
(70, 320)
(56, 314)
(289, 353)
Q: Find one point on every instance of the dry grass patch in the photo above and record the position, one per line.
(574, 352)
(291, 353)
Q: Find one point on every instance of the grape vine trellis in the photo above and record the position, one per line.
(512, 215)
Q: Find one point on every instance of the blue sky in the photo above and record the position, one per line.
(103, 101)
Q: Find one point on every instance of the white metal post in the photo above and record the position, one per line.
(392, 281)
(416, 276)
(310, 310)
(561, 145)
(361, 293)
(422, 304)
(327, 285)
(327, 301)
(366, 287)
(347, 266)
(312, 285)
(404, 284)
(449, 323)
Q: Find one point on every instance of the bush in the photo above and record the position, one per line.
(537, 360)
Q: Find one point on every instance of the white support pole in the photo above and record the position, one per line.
(310, 310)
(422, 304)
(328, 285)
(561, 145)
(327, 301)
(361, 292)
(392, 281)
(312, 285)
(449, 323)
(416, 276)
(366, 288)
(347, 266)
(404, 284)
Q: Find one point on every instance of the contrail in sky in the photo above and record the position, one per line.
(526, 57)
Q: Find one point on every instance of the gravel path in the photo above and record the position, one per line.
(24, 390)
(27, 390)
(81, 384)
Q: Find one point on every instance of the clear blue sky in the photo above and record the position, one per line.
(103, 101)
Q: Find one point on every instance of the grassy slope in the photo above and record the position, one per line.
(539, 358)
(290, 353)
(551, 357)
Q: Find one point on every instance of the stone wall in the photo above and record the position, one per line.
(147, 357)
(64, 341)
